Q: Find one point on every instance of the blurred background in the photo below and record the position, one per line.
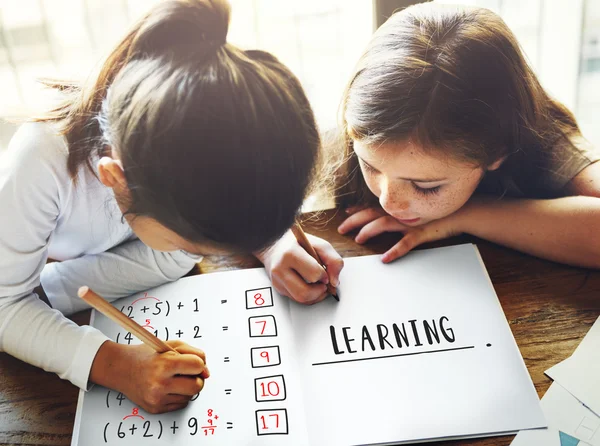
(320, 40)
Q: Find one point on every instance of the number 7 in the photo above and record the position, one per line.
(263, 327)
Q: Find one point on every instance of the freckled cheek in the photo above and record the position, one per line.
(438, 206)
(429, 207)
(450, 202)
(399, 199)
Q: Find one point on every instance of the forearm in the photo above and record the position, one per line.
(41, 336)
(565, 230)
(121, 271)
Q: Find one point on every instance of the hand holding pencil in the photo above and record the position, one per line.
(159, 379)
(303, 267)
(306, 245)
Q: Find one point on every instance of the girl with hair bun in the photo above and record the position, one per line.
(181, 145)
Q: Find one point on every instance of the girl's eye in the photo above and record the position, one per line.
(427, 190)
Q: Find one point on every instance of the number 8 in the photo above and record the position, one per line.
(258, 299)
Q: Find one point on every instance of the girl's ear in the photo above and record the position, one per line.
(111, 174)
(496, 164)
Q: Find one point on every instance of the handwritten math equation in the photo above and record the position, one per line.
(269, 389)
(134, 425)
(151, 308)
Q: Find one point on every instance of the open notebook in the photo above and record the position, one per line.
(414, 351)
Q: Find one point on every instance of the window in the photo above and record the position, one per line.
(320, 40)
(588, 95)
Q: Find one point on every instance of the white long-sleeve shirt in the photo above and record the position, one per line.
(44, 215)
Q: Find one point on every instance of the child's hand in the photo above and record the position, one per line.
(296, 274)
(157, 382)
(374, 221)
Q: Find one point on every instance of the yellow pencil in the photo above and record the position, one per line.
(304, 243)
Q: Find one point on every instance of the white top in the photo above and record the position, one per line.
(44, 215)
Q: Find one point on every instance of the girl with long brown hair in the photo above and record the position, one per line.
(181, 145)
(447, 131)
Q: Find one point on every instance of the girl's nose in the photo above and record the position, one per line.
(393, 200)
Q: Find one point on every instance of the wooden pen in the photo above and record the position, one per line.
(304, 243)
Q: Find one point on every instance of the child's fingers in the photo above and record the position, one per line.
(185, 385)
(360, 219)
(354, 209)
(378, 226)
(318, 299)
(307, 267)
(408, 242)
(305, 293)
(174, 407)
(177, 399)
(280, 286)
(414, 237)
(188, 349)
(300, 291)
(282, 289)
(188, 364)
(330, 257)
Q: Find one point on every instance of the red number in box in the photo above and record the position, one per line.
(259, 298)
(262, 326)
(271, 422)
(269, 388)
(265, 356)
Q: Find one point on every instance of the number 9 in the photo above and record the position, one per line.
(193, 424)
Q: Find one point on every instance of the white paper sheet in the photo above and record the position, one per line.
(469, 379)
(566, 414)
(461, 374)
(580, 374)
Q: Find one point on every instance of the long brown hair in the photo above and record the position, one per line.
(218, 144)
(453, 80)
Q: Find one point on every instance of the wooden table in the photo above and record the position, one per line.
(550, 307)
